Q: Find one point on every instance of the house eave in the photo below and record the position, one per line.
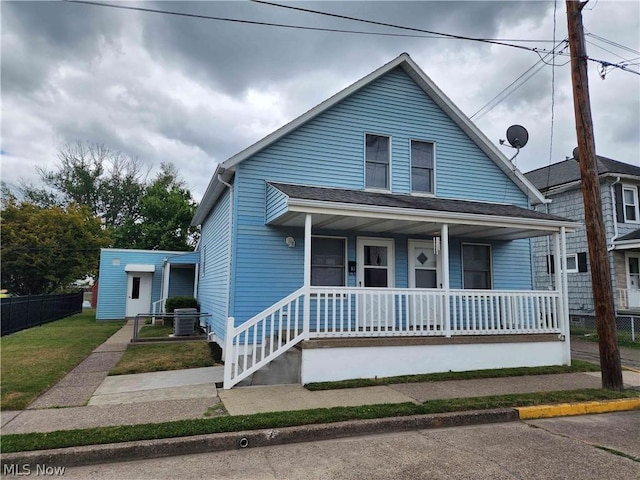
(408, 214)
(211, 195)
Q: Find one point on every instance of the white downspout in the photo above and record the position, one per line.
(229, 243)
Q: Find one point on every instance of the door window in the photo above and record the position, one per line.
(376, 259)
(634, 273)
(135, 288)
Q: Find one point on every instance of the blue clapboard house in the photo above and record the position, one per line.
(378, 234)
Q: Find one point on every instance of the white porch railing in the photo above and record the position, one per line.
(384, 312)
(263, 338)
(157, 309)
(628, 299)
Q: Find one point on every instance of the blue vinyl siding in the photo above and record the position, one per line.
(276, 203)
(112, 279)
(511, 264)
(213, 288)
(329, 151)
(181, 282)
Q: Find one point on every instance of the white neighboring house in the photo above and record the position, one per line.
(620, 197)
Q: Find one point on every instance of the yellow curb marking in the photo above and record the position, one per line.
(631, 369)
(582, 408)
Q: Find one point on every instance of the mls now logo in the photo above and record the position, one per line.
(26, 469)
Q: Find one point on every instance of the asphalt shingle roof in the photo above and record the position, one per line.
(635, 235)
(569, 171)
(339, 195)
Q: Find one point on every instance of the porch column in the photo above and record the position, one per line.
(166, 273)
(444, 250)
(307, 276)
(196, 275)
(559, 285)
(565, 293)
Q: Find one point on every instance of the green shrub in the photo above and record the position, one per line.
(180, 302)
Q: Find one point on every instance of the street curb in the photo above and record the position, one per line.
(580, 408)
(118, 452)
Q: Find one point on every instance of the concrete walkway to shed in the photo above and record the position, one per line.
(77, 387)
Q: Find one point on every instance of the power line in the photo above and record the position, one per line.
(384, 24)
(250, 22)
(612, 43)
(439, 35)
(267, 24)
(525, 77)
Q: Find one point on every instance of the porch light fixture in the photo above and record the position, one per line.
(290, 241)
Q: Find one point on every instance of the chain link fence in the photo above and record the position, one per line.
(627, 327)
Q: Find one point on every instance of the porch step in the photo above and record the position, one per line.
(283, 370)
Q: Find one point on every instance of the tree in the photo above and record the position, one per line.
(45, 249)
(112, 186)
(166, 210)
(107, 182)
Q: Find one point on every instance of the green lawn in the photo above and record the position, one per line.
(163, 356)
(35, 359)
(624, 338)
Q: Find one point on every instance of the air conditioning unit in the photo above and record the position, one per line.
(184, 321)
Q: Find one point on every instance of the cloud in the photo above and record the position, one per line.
(195, 92)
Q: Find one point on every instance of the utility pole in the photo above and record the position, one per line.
(596, 238)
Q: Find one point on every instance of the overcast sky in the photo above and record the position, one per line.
(195, 91)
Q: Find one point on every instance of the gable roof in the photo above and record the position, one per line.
(568, 171)
(405, 62)
(635, 235)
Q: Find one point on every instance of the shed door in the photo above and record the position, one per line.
(138, 293)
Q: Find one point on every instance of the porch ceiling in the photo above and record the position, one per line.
(407, 227)
(332, 209)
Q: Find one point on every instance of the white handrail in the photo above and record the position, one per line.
(262, 338)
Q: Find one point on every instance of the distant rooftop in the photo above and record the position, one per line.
(569, 171)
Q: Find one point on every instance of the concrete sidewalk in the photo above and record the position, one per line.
(94, 399)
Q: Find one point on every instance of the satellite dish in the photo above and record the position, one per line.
(517, 136)
(575, 154)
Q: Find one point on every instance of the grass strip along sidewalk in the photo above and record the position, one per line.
(182, 428)
(35, 359)
(576, 366)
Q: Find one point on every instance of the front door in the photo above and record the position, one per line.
(633, 280)
(425, 308)
(138, 293)
(376, 271)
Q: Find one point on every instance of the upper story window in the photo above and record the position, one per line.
(421, 167)
(328, 265)
(377, 160)
(476, 266)
(630, 204)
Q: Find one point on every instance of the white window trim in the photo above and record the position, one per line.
(490, 261)
(634, 190)
(433, 185)
(572, 270)
(364, 154)
(346, 255)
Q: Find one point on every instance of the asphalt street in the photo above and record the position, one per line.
(558, 448)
